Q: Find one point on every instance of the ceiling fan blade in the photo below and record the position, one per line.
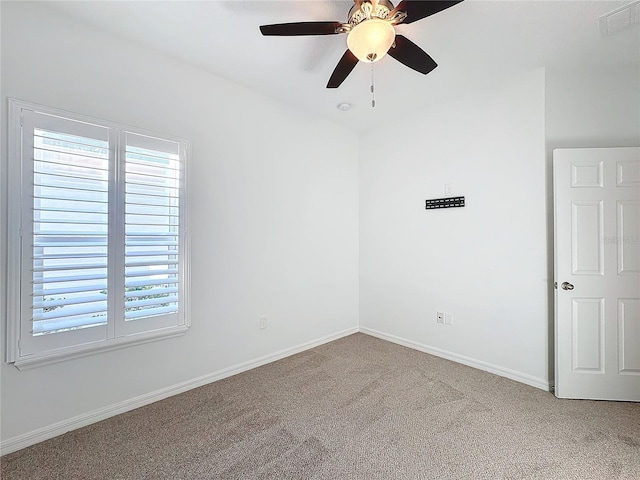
(301, 28)
(408, 53)
(419, 9)
(343, 69)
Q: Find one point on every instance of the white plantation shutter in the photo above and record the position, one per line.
(70, 228)
(101, 253)
(65, 230)
(152, 230)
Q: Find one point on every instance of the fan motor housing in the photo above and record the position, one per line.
(382, 11)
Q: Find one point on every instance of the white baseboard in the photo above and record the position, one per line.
(50, 431)
(527, 379)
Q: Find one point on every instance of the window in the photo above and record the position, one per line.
(98, 248)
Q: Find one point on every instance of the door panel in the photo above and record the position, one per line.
(587, 250)
(629, 231)
(629, 322)
(586, 174)
(587, 334)
(597, 253)
(628, 174)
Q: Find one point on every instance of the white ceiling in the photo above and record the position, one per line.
(477, 44)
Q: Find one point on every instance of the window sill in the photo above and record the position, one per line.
(71, 353)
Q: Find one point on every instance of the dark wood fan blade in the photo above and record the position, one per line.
(301, 28)
(417, 9)
(343, 69)
(412, 55)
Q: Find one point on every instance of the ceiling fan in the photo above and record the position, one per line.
(371, 34)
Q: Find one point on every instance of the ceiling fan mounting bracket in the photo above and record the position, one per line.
(366, 10)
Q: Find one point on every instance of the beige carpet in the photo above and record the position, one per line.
(357, 408)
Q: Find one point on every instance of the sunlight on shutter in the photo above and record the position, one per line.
(152, 188)
(70, 227)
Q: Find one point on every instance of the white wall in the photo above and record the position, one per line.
(274, 196)
(593, 107)
(484, 263)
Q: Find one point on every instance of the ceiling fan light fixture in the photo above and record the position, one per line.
(371, 39)
(370, 30)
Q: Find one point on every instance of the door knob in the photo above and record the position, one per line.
(566, 286)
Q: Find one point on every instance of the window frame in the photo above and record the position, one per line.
(18, 200)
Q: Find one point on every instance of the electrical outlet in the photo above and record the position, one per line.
(440, 318)
(263, 323)
(448, 319)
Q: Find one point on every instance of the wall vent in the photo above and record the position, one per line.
(620, 19)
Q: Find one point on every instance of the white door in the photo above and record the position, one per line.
(597, 273)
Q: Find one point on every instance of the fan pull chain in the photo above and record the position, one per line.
(373, 92)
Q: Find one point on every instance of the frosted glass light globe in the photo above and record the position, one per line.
(370, 40)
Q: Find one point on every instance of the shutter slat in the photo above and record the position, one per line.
(74, 222)
(69, 209)
(71, 311)
(131, 282)
(167, 200)
(151, 301)
(61, 256)
(131, 315)
(151, 200)
(53, 196)
(149, 158)
(149, 243)
(57, 199)
(80, 243)
(68, 233)
(39, 292)
(61, 302)
(71, 278)
(80, 189)
(70, 176)
(85, 155)
(153, 221)
(150, 213)
(151, 291)
(137, 154)
(152, 191)
(152, 273)
(68, 267)
(55, 325)
(103, 164)
(149, 175)
(152, 235)
(148, 263)
(152, 253)
(61, 139)
(155, 170)
(150, 223)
